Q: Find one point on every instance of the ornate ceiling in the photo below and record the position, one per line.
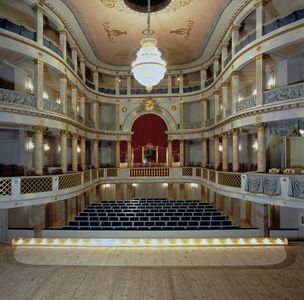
(114, 30)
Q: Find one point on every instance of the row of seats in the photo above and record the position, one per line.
(150, 214)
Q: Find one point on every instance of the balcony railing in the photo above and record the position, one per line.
(90, 84)
(107, 91)
(51, 45)
(209, 122)
(191, 89)
(79, 119)
(18, 29)
(13, 97)
(283, 21)
(265, 188)
(70, 63)
(53, 106)
(219, 117)
(209, 82)
(245, 41)
(246, 103)
(107, 126)
(192, 125)
(294, 91)
(71, 113)
(90, 123)
(228, 59)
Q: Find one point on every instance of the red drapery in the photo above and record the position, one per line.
(175, 150)
(123, 151)
(147, 129)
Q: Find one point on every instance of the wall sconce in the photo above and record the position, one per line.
(220, 147)
(77, 108)
(29, 86)
(78, 149)
(271, 83)
(134, 184)
(165, 184)
(254, 92)
(30, 145)
(59, 148)
(58, 101)
(193, 185)
(240, 147)
(240, 98)
(255, 146)
(45, 96)
(46, 147)
(221, 106)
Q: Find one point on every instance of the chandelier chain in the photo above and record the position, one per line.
(149, 18)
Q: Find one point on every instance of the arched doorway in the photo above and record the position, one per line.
(149, 141)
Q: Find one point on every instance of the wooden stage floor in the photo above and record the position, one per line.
(32, 274)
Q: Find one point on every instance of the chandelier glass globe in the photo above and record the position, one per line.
(149, 68)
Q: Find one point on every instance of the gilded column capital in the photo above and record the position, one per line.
(62, 31)
(216, 58)
(259, 3)
(260, 56)
(224, 45)
(235, 27)
(38, 62)
(260, 126)
(225, 84)
(235, 131)
(235, 73)
(225, 134)
(63, 76)
(39, 129)
(38, 7)
(64, 133)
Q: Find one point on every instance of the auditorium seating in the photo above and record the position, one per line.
(150, 214)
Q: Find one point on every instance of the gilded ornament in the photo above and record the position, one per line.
(184, 31)
(173, 107)
(124, 109)
(112, 33)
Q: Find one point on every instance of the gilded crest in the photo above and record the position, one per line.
(149, 105)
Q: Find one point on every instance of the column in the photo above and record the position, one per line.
(224, 53)
(63, 42)
(216, 66)
(63, 151)
(63, 92)
(129, 84)
(216, 153)
(39, 82)
(95, 112)
(130, 192)
(204, 112)
(181, 153)
(82, 68)
(182, 191)
(204, 152)
(39, 24)
(38, 150)
(235, 37)
(74, 153)
(261, 147)
(181, 114)
(96, 79)
(181, 83)
(170, 153)
(37, 219)
(74, 58)
(117, 80)
(83, 153)
(225, 97)
(117, 113)
(117, 154)
(129, 153)
(169, 84)
(203, 77)
(3, 224)
(170, 191)
(82, 107)
(235, 149)
(216, 105)
(74, 92)
(260, 78)
(225, 151)
(260, 17)
(95, 161)
(235, 86)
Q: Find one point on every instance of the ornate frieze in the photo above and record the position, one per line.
(246, 103)
(14, 97)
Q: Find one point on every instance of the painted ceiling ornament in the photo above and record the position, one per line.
(109, 3)
(184, 31)
(112, 33)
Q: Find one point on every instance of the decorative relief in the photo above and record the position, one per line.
(180, 3)
(13, 97)
(184, 31)
(123, 54)
(173, 107)
(112, 33)
(124, 109)
(109, 3)
(172, 53)
(148, 105)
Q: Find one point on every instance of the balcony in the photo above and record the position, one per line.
(245, 103)
(192, 125)
(17, 98)
(53, 106)
(263, 188)
(245, 41)
(107, 126)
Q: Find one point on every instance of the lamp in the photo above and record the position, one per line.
(148, 68)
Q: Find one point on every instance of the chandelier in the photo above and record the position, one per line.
(148, 68)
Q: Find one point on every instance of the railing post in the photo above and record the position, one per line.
(243, 181)
(55, 184)
(284, 181)
(16, 188)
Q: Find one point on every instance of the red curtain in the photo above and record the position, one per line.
(175, 150)
(147, 129)
(123, 151)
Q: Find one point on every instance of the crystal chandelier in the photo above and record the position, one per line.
(148, 68)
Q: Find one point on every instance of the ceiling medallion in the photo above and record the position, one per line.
(120, 5)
